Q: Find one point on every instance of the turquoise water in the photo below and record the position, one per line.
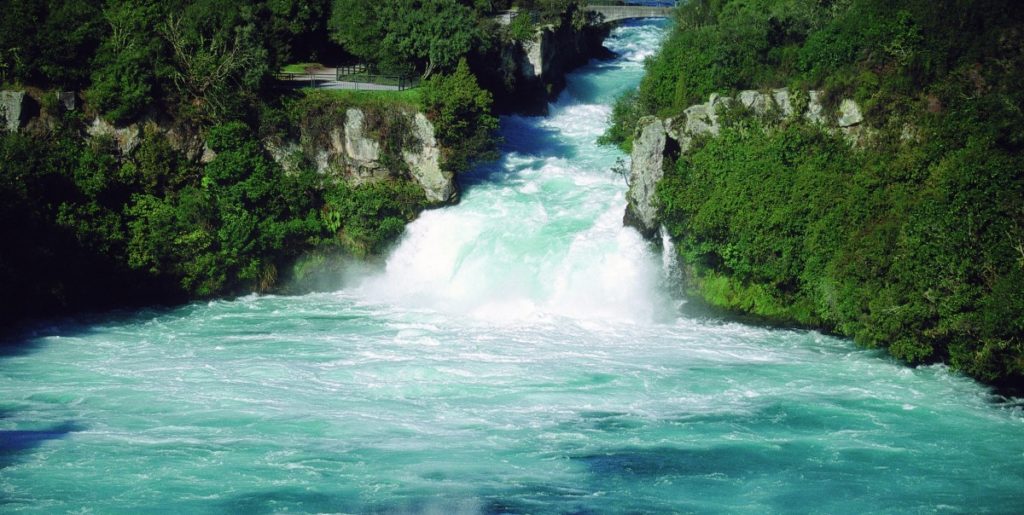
(516, 354)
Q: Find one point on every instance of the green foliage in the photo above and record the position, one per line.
(915, 250)
(294, 29)
(63, 226)
(460, 111)
(911, 242)
(46, 42)
(625, 114)
(156, 223)
(129, 63)
(356, 25)
(367, 218)
(430, 35)
(406, 98)
(233, 230)
(521, 29)
(219, 62)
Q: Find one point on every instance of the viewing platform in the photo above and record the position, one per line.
(609, 13)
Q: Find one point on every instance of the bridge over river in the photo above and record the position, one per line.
(612, 13)
(609, 13)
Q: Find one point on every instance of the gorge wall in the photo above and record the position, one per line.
(361, 145)
(346, 144)
(658, 140)
(532, 73)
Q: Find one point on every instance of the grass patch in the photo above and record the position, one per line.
(408, 97)
(301, 67)
(387, 80)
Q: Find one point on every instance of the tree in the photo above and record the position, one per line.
(129, 61)
(219, 61)
(431, 35)
(460, 110)
(356, 26)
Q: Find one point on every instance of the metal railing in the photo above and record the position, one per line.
(363, 74)
(357, 76)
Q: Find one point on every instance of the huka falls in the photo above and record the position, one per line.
(515, 347)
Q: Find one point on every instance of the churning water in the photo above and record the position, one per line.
(516, 355)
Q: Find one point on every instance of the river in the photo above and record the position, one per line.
(517, 354)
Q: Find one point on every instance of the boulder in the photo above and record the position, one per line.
(67, 100)
(11, 109)
(815, 112)
(358, 145)
(849, 114)
(754, 101)
(782, 101)
(127, 138)
(425, 163)
(645, 171)
(700, 119)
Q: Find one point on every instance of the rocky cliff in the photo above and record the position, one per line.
(11, 109)
(532, 72)
(353, 149)
(364, 145)
(659, 139)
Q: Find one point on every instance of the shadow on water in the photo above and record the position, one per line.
(15, 443)
(524, 137)
(31, 335)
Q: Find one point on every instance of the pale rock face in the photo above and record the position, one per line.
(425, 164)
(287, 154)
(781, 99)
(753, 101)
(849, 114)
(645, 171)
(815, 111)
(700, 119)
(655, 137)
(67, 100)
(358, 146)
(11, 103)
(127, 138)
(208, 155)
(532, 65)
(351, 154)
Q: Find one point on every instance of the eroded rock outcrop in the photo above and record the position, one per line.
(353, 148)
(424, 163)
(849, 114)
(11, 109)
(658, 140)
(532, 72)
(126, 138)
(353, 151)
(648, 159)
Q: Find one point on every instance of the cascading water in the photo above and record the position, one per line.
(516, 355)
(539, 233)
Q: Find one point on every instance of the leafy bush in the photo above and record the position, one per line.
(461, 113)
(368, 217)
(911, 242)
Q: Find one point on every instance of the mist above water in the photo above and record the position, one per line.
(515, 355)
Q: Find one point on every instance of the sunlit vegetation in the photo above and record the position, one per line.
(89, 222)
(909, 240)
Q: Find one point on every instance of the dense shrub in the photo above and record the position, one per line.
(910, 241)
(461, 112)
